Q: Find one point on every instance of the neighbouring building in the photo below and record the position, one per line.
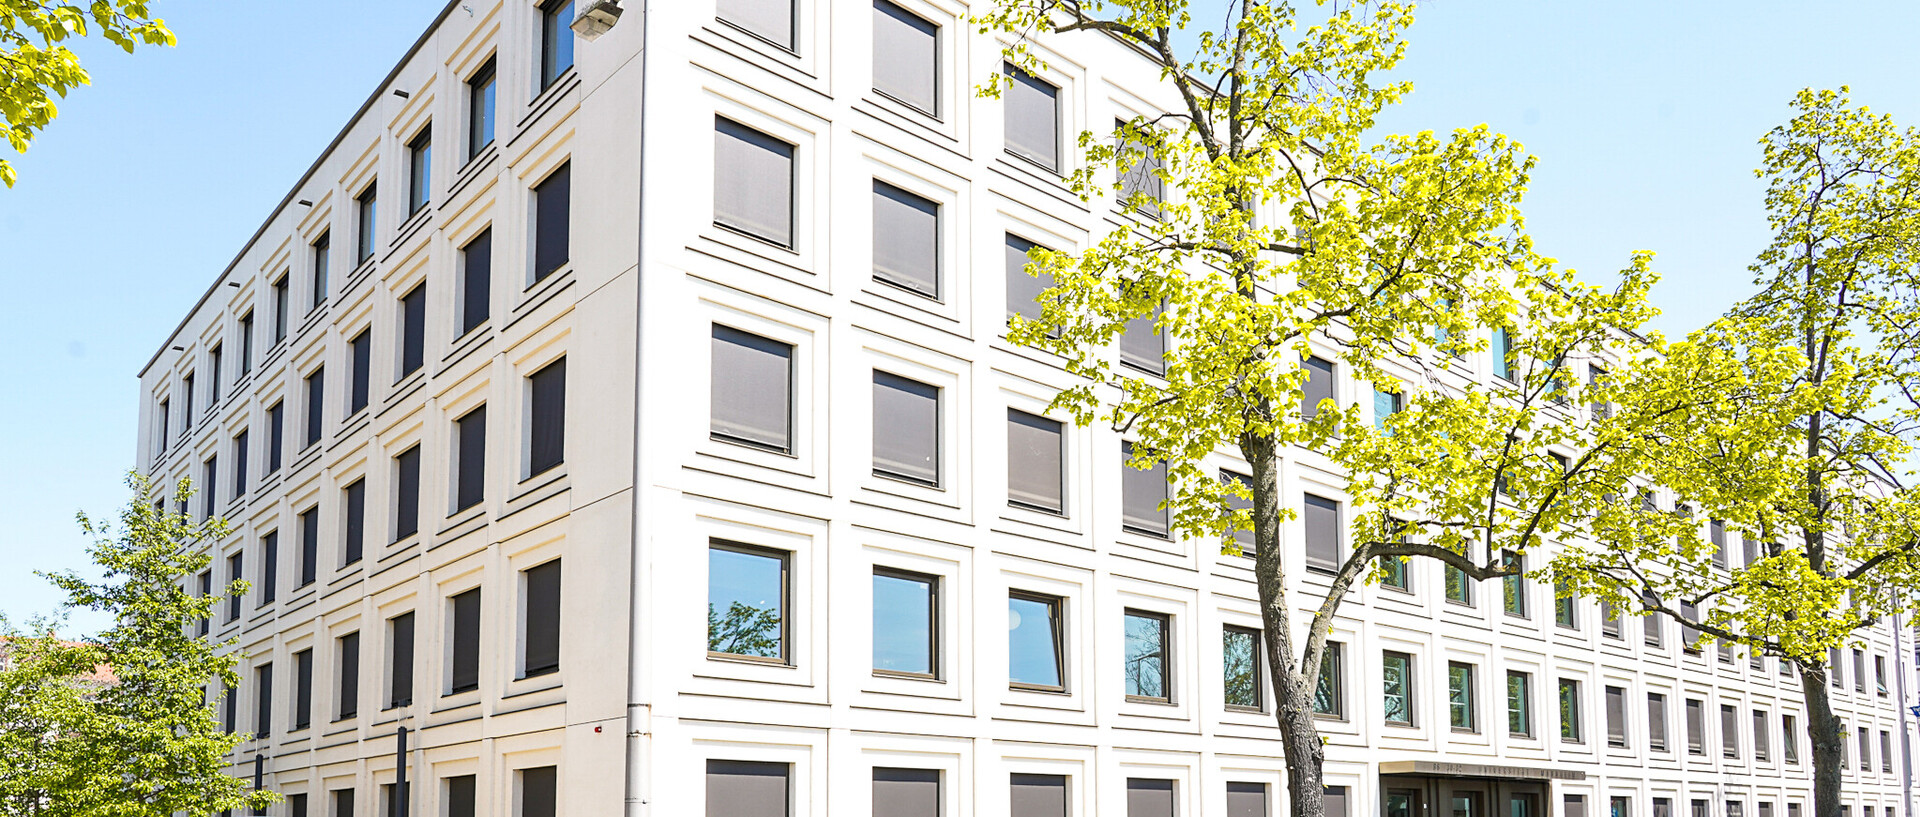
(632, 422)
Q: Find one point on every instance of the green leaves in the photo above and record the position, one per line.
(35, 65)
(121, 724)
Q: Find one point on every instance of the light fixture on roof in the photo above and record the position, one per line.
(596, 18)
(402, 94)
(179, 348)
(234, 284)
(304, 203)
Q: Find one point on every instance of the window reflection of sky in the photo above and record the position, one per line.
(1031, 657)
(902, 624)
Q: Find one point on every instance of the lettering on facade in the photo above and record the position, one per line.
(1434, 767)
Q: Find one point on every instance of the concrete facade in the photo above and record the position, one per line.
(640, 707)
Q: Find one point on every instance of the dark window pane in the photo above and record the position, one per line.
(366, 207)
(354, 545)
(406, 495)
(906, 240)
(413, 330)
(547, 416)
(906, 55)
(236, 571)
(539, 791)
(476, 281)
(263, 700)
(420, 170)
(556, 40)
(465, 670)
(470, 432)
(905, 613)
(480, 109)
(1243, 537)
(752, 181)
(1147, 797)
(906, 792)
(1143, 346)
(1146, 656)
(400, 660)
(309, 545)
(276, 435)
(1329, 692)
(461, 796)
(240, 458)
(1318, 387)
(1033, 641)
(343, 803)
(349, 680)
(1321, 518)
(280, 313)
(269, 566)
(1023, 290)
(1396, 682)
(316, 405)
(747, 601)
(1036, 468)
(1038, 795)
(322, 257)
(1616, 716)
(552, 202)
(1250, 800)
(542, 648)
(1141, 493)
(1460, 697)
(302, 689)
(906, 429)
(752, 389)
(1032, 118)
(740, 788)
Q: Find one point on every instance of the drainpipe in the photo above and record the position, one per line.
(1900, 657)
(639, 739)
(400, 772)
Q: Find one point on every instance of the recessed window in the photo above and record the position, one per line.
(1657, 721)
(1036, 472)
(1250, 800)
(747, 602)
(316, 404)
(213, 378)
(269, 567)
(1396, 686)
(1696, 727)
(1142, 492)
(1147, 658)
(770, 20)
(1564, 607)
(556, 40)
(1034, 646)
(280, 314)
(1023, 290)
(906, 429)
(540, 633)
(246, 343)
(322, 250)
(1730, 732)
(1321, 518)
(1513, 587)
(906, 618)
(470, 459)
(1501, 350)
(309, 545)
(400, 660)
(539, 794)
(206, 589)
(752, 182)
(463, 642)
(1032, 109)
(1460, 697)
(1318, 387)
(186, 402)
(302, 689)
(1330, 688)
(552, 225)
(165, 412)
(751, 390)
(360, 362)
(406, 493)
(1240, 666)
(547, 418)
(1570, 726)
(354, 545)
(906, 240)
(276, 435)
(741, 788)
(1385, 405)
(210, 479)
(236, 571)
(480, 90)
(1141, 189)
(240, 459)
(1616, 701)
(906, 792)
(1143, 346)
(1242, 537)
(347, 704)
(462, 795)
(1761, 751)
(1037, 795)
(420, 170)
(367, 225)
(343, 803)
(476, 281)
(906, 57)
(1149, 797)
(1519, 704)
(413, 330)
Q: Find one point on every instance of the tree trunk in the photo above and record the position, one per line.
(1829, 741)
(1292, 685)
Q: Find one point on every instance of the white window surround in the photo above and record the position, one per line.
(958, 291)
(806, 260)
(1185, 646)
(955, 630)
(802, 677)
(805, 467)
(1078, 628)
(953, 53)
(951, 376)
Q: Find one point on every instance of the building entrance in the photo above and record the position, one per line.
(1439, 789)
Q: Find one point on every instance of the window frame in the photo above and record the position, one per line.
(1166, 657)
(786, 657)
(935, 599)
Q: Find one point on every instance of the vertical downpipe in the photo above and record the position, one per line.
(639, 742)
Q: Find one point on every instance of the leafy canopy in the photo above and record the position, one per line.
(36, 65)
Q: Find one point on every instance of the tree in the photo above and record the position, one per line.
(1287, 232)
(1787, 424)
(119, 725)
(36, 65)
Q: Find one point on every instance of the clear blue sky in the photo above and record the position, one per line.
(1645, 116)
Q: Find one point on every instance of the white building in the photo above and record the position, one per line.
(692, 315)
